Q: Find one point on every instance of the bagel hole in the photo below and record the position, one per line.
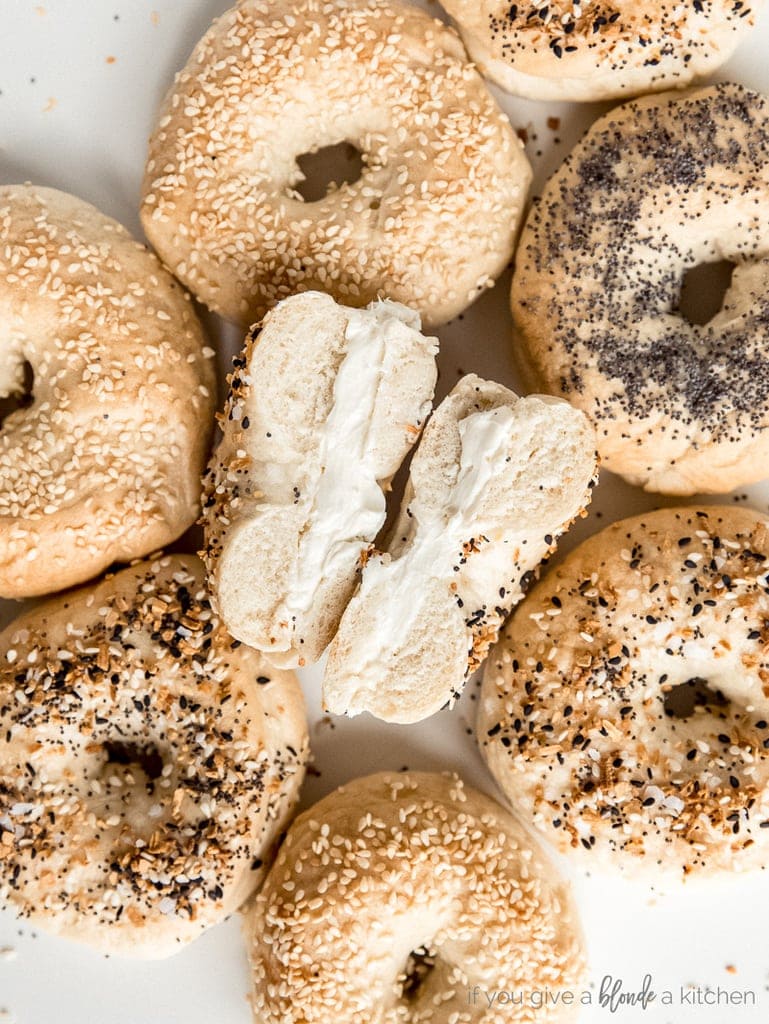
(326, 169)
(132, 755)
(419, 965)
(703, 290)
(22, 398)
(682, 701)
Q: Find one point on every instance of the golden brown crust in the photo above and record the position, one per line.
(105, 463)
(395, 863)
(430, 222)
(581, 709)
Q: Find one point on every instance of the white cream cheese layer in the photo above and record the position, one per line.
(403, 583)
(345, 499)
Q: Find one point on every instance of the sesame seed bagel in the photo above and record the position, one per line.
(325, 402)
(429, 223)
(593, 49)
(149, 762)
(104, 463)
(625, 710)
(655, 188)
(398, 896)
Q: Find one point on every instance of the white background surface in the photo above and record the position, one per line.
(79, 83)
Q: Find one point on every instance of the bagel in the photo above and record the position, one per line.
(594, 50)
(429, 223)
(494, 481)
(399, 896)
(324, 404)
(625, 708)
(104, 465)
(148, 762)
(655, 188)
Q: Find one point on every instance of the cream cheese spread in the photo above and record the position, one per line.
(403, 582)
(345, 499)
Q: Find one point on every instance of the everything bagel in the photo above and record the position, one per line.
(625, 708)
(148, 762)
(324, 404)
(594, 49)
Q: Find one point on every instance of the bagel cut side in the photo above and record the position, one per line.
(325, 402)
(494, 482)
